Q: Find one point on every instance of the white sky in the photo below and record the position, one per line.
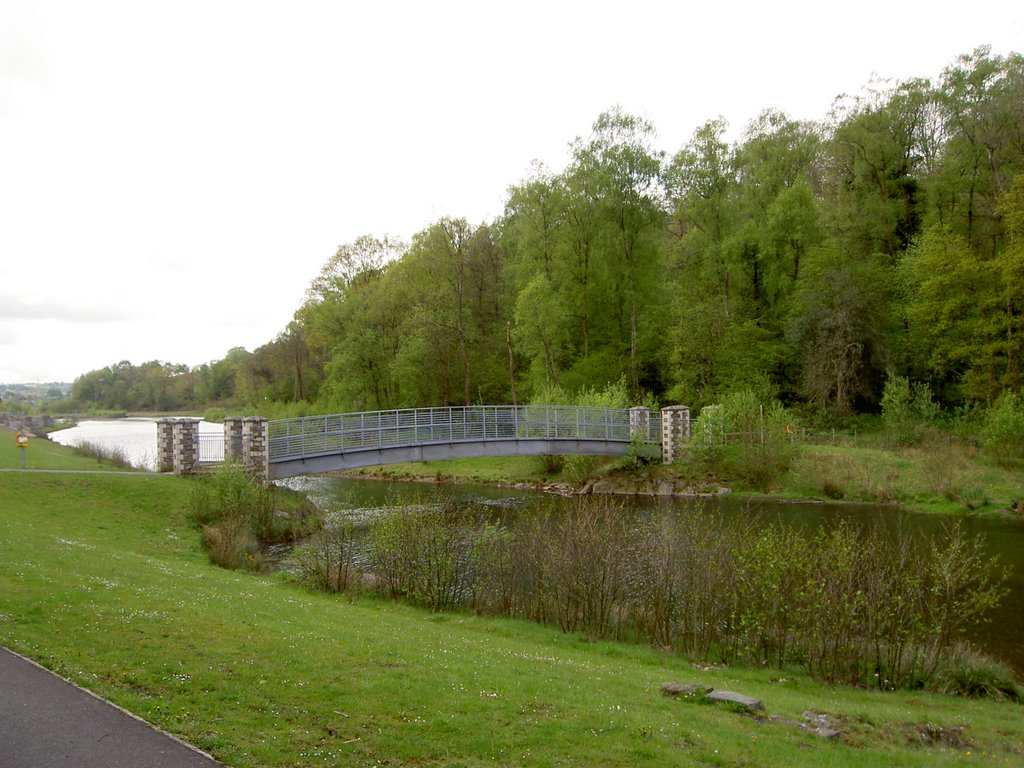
(174, 174)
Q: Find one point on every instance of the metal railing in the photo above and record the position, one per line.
(341, 433)
(211, 448)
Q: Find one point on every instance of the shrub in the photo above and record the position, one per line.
(584, 565)
(907, 410)
(327, 560)
(744, 439)
(228, 501)
(423, 554)
(862, 606)
(1002, 432)
(214, 414)
(974, 675)
(231, 544)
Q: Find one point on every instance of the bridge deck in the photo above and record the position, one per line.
(347, 441)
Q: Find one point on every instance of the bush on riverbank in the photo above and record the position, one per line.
(746, 438)
(848, 605)
(1002, 432)
(237, 515)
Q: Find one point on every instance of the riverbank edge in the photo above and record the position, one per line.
(659, 483)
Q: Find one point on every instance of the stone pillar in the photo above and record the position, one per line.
(233, 440)
(165, 445)
(256, 448)
(675, 430)
(186, 446)
(639, 424)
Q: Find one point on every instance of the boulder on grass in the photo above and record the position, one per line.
(731, 697)
(674, 689)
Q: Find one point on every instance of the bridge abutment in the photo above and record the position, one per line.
(245, 442)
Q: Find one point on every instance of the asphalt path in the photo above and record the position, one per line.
(46, 721)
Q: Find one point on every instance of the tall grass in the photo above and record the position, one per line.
(111, 455)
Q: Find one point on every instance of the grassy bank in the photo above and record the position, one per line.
(43, 454)
(102, 579)
(940, 476)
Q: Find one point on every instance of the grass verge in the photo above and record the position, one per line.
(44, 454)
(103, 580)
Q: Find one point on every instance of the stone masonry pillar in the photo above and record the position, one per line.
(640, 423)
(165, 445)
(256, 448)
(675, 430)
(186, 446)
(233, 440)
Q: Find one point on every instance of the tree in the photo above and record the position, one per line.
(957, 315)
(454, 343)
(878, 148)
(621, 171)
(777, 163)
(702, 185)
(542, 331)
(982, 102)
(839, 324)
(357, 262)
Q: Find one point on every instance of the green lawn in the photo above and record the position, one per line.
(43, 454)
(102, 580)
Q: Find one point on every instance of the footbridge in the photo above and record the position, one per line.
(316, 444)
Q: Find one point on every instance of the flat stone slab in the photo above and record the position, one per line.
(674, 689)
(731, 697)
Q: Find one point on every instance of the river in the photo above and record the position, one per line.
(135, 437)
(1004, 538)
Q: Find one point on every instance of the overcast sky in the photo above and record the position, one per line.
(174, 174)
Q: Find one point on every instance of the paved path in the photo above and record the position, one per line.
(46, 722)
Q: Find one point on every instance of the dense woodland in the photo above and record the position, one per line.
(808, 260)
